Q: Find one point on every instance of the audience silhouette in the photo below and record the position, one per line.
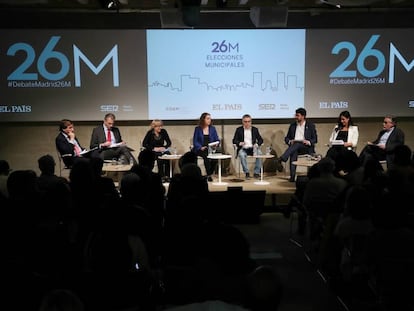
(64, 241)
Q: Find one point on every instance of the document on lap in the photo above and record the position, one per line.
(85, 151)
(116, 145)
(214, 143)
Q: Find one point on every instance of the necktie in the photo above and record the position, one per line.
(77, 150)
(108, 136)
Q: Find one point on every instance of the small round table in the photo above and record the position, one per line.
(117, 169)
(171, 158)
(308, 163)
(262, 156)
(219, 157)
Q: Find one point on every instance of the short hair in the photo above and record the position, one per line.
(246, 116)
(188, 157)
(156, 122)
(4, 167)
(301, 111)
(392, 118)
(46, 163)
(109, 115)
(326, 165)
(64, 123)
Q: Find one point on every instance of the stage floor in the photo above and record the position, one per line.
(278, 191)
(278, 184)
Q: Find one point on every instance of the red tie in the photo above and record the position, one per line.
(108, 136)
(77, 150)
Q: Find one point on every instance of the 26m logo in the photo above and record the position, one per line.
(49, 53)
(345, 69)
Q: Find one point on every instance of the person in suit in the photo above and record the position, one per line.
(105, 136)
(158, 141)
(382, 148)
(246, 138)
(344, 131)
(68, 145)
(301, 139)
(204, 134)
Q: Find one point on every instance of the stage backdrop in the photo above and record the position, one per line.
(47, 75)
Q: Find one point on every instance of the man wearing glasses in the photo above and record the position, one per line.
(107, 139)
(247, 139)
(382, 148)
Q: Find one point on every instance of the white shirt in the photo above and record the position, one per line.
(248, 138)
(300, 131)
(383, 139)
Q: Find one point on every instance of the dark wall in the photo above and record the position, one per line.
(9, 18)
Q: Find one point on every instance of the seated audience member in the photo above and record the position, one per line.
(61, 300)
(188, 157)
(382, 148)
(204, 134)
(401, 174)
(323, 196)
(158, 141)
(189, 183)
(348, 167)
(105, 185)
(301, 139)
(68, 144)
(265, 289)
(53, 188)
(4, 175)
(345, 133)
(108, 140)
(246, 138)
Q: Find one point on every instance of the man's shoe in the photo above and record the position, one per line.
(257, 176)
(247, 176)
(292, 179)
(279, 165)
(209, 178)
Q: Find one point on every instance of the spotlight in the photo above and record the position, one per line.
(111, 5)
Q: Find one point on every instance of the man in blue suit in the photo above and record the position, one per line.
(301, 139)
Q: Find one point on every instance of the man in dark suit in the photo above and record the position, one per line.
(68, 145)
(107, 138)
(383, 147)
(246, 139)
(301, 139)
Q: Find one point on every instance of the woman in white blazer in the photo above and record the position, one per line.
(345, 130)
(344, 135)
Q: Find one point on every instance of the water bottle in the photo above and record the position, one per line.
(268, 150)
(131, 160)
(210, 150)
(255, 149)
